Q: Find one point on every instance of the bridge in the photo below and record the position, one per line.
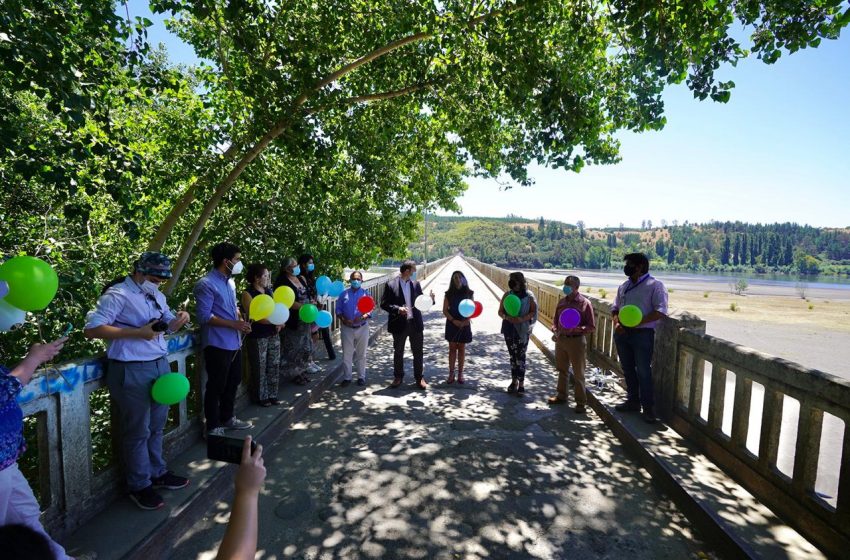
(752, 458)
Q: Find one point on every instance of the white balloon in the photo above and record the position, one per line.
(10, 316)
(280, 314)
(4, 288)
(423, 303)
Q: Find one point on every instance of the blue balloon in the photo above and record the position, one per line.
(336, 289)
(323, 285)
(323, 319)
(466, 307)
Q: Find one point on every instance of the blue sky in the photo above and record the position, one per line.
(778, 151)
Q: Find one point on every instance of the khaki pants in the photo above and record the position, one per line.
(571, 351)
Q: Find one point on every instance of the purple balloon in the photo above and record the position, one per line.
(569, 318)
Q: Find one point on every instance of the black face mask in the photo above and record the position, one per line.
(629, 269)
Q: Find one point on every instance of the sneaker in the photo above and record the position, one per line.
(345, 383)
(216, 432)
(146, 498)
(628, 406)
(313, 367)
(236, 424)
(361, 382)
(649, 417)
(170, 481)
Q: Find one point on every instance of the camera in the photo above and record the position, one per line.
(159, 326)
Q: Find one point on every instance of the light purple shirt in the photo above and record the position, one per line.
(648, 294)
(346, 305)
(128, 305)
(216, 296)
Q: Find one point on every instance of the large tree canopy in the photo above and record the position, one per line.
(330, 126)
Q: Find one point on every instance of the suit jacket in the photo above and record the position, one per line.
(393, 300)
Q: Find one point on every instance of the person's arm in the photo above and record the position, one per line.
(240, 538)
(446, 313)
(99, 323)
(659, 305)
(204, 298)
(37, 355)
(589, 325)
(386, 301)
(532, 309)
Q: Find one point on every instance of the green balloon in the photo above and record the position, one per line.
(630, 316)
(308, 313)
(170, 388)
(512, 305)
(32, 283)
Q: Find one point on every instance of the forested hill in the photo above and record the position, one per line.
(718, 246)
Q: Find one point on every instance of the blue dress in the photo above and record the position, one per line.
(453, 333)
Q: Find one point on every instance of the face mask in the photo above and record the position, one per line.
(355, 284)
(413, 276)
(629, 269)
(296, 271)
(237, 268)
(150, 287)
(567, 289)
(311, 267)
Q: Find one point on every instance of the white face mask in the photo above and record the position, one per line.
(237, 268)
(150, 287)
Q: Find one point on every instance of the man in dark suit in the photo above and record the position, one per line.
(405, 321)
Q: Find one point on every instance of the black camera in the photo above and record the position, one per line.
(159, 326)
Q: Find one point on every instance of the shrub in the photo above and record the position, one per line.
(602, 293)
(705, 294)
(733, 306)
(811, 306)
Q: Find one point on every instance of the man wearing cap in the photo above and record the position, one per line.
(133, 316)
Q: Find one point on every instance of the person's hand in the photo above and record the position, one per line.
(252, 472)
(618, 328)
(278, 328)
(433, 299)
(554, 338)
(402, 311)
(242, 326)
(41, 353)
(555, 328)
(181, 318)
(147, 331)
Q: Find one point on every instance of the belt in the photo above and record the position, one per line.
(137, 361)
(356, 326)
(572, 335)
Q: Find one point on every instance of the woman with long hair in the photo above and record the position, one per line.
(263, 342)
(458, 329)
(517, 329)
(296, 335)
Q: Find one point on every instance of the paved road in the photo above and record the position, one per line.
(456, 471)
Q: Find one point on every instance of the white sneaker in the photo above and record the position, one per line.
(236, 424)
(216, 432)
(313, 367)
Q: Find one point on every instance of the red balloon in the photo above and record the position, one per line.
(365, 304)
(478, 309)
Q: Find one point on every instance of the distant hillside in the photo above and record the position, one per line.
(517, 242)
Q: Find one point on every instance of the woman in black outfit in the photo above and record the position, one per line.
(458, 329)
(307, 270)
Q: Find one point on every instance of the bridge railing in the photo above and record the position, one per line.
(777, 427)
(68, 416)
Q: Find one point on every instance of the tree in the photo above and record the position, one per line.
(580, 225)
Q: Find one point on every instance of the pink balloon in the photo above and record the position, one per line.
(569, 318)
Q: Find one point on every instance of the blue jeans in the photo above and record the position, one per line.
(142, 419)
(635, 350)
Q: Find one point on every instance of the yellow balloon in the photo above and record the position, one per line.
(284, 295)
(261, 307)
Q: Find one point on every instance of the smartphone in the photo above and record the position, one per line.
(68, 328)
(227, 449)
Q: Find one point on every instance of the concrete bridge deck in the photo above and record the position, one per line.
(457, 471)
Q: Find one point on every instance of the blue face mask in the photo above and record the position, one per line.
(413, 276)
(311, 267)
(296, 271)
(355, 284)
(567, 289)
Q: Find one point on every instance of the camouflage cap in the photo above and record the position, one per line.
(155, 264)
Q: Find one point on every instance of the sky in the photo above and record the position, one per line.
(778, 151)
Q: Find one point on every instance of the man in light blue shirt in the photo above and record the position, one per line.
(635, 345)
(133, 316)
(354, 329)
(222, 329)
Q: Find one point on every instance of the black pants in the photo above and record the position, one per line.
(329, 346)
(416, 340)
(224, 372)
